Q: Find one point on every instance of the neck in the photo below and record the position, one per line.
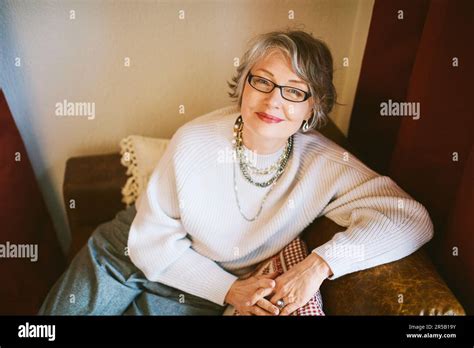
(262, 146)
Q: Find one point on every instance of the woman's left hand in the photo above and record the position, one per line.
(296, 286)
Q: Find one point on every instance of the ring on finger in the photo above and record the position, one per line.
(280, 303)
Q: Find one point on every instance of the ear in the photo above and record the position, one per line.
(311, 110)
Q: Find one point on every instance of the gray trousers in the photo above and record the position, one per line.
(102, 280)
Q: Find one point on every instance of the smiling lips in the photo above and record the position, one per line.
(268, 118)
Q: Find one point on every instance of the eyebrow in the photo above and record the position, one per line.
(296, 81)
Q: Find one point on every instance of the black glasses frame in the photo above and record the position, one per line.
(306, 94)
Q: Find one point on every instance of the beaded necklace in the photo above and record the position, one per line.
(246, 168)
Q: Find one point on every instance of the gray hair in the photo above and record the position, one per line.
(310, 58)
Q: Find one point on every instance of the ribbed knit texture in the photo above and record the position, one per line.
(189, 234)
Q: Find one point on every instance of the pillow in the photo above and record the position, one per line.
(289, 256)
(141, 154)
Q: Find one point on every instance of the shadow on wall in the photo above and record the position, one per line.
(15, 73)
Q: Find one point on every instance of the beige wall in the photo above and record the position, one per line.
(173, 62)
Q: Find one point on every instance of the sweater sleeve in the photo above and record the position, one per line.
(383, 222)
(158, 244)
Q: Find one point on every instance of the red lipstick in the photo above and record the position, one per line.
(268, 118)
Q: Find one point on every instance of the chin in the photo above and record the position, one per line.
(264, 130)
(265, 133)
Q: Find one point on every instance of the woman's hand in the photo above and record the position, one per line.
(296, 286)
(247, 295)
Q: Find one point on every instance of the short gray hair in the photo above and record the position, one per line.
(310, 58)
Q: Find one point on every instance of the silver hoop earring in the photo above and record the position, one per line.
(312, 122)
(307, 125)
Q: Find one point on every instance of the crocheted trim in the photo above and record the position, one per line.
(135, 182)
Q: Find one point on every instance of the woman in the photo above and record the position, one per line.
(205, 220)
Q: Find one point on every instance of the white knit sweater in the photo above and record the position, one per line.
(189, 234)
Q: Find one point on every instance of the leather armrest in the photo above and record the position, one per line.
(409, 286)
(94, 184)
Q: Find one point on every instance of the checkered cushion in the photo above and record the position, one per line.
(293, 253)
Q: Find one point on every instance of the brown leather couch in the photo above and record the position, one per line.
(410, 286)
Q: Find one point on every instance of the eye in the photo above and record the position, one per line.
(296, 92)
(263, 81)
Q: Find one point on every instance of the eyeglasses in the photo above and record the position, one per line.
(264, 85)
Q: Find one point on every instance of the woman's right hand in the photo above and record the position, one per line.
(248, 295)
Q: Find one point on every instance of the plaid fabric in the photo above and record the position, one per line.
(293, 253)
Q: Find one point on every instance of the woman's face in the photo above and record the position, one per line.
(278, 70)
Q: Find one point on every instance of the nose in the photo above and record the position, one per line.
(274, 97)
